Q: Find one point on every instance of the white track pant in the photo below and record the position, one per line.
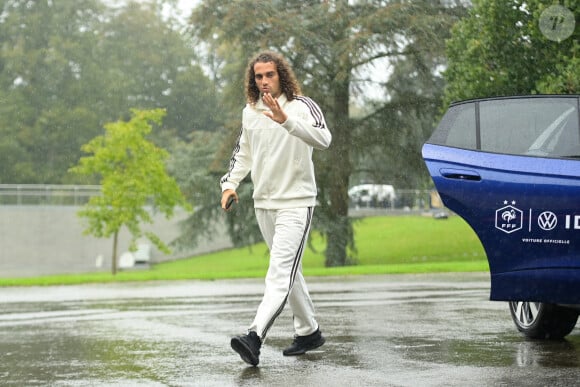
(285, 232)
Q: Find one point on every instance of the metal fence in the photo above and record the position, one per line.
(78, 195)
(43, 194)
(405, 200)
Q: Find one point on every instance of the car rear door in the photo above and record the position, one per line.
(511, 168)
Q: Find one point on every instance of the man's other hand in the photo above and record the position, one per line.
(229, 196)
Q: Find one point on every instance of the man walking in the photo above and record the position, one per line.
(280, 129)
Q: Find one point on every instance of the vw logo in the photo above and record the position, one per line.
(547, 220)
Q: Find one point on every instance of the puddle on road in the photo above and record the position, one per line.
(496, 351)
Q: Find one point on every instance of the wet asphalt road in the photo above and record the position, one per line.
(404, 330)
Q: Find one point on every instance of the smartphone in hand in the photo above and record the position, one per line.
(230, 202)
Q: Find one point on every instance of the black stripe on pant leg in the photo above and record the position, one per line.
(300, 252)
(293, 272)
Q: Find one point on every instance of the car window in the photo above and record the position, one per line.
(457, 127)
(535, 126)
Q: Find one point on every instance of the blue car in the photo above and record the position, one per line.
(510, 167)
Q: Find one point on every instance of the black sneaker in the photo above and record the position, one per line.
(301, 344)
(248, 347)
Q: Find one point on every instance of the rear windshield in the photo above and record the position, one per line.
(539, 126)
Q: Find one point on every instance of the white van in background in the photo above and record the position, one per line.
(372, 195)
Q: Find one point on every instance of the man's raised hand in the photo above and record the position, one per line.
(276, 113)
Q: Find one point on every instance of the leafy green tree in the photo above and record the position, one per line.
(133, 177)
(68, 67)
(45, 49)
(333, 46)
(500, 49)
(193, 104)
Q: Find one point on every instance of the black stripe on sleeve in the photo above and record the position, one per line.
(314, 110)
(233, 159)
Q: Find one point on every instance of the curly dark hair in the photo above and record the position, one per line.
(288, 83)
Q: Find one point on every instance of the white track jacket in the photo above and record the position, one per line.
(279, 156)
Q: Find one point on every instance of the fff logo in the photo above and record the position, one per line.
(509, 218)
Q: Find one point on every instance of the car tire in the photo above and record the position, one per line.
(538, 320)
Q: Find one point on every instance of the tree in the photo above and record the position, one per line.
(200, 185)
(332, 45)
(500, 49)
(68, 67)
(133, 177)
(154, 68)
(45, 48)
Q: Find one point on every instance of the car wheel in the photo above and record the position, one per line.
(538, 320)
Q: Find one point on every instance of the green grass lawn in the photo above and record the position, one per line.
(387, 244)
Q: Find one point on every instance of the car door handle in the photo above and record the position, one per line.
(460, 174)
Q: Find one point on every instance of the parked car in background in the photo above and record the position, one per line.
(372, 195)
(510, 167)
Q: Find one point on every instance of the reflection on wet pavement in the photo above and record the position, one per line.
(423, 330)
